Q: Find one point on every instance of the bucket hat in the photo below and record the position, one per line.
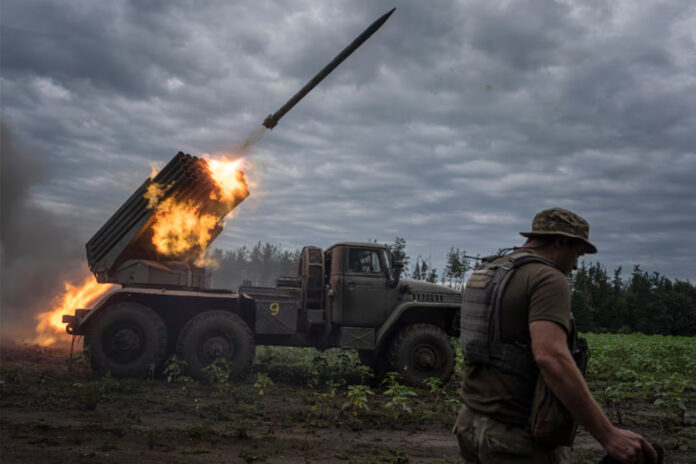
(559, 221)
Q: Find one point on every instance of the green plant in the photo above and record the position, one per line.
(89, 395)
(251, 455)
(391, 457)
(174, 370)
(198, 405)
(217, 373)
(399, 397)
(151, 440)
(364, 372)
(263, 382)
(200, 431)
(434, 386)
(452, 404)
(357, 398)
(325, 400)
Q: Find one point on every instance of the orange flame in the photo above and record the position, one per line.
(153, 194)
(50, 324)
(227, 174)
(155, 168)
(180, 228)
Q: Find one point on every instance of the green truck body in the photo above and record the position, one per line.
(349, 296)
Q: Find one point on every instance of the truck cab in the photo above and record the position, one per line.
(394, 323)
(360, 282)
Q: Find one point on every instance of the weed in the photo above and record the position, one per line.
(391, 457)
(392, 378)
(242, 432)
(357, 398)
(399, 397)
(452, 404)
(325, 400)
(11, 375)
(89, 395)
(218, 374)
(200, 449)
(107, 446)
(309, 367)
(200, 431)
(78, 438)
(174, 370)
(198, 405)
(133, 417)
(263, 382)
(251, 455)
(434, 386)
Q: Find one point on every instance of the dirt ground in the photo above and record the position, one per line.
(52, 415)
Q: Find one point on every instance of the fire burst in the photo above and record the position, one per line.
(50, 325)
(228, 176)
(183, 228)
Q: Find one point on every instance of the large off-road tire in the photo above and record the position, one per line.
(127, 340)
(216, 334)
(420, 351)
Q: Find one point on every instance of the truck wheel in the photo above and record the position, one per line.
(216, 334)
(420, 351)
(127, 340)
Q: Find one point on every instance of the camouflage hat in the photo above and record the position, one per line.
(559, 221)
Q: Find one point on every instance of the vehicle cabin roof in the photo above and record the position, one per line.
(358, 244)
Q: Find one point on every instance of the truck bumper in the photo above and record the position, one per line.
(73, 321)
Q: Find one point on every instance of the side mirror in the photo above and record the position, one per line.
(397, 267)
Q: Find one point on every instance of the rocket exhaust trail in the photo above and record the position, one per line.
(256, 135)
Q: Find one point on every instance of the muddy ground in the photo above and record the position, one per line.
(52, 415)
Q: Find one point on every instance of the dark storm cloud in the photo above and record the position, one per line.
(452, 126)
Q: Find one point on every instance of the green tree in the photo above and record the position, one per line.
(453, 266)
(581, 311)
(398, 252)
(417, 270)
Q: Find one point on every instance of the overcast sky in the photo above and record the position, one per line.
(451, 127)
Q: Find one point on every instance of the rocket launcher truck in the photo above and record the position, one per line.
(350, 295)
(122, 251)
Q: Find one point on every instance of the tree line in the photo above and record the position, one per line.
(641, 302)
(601, 302)
(260, 265)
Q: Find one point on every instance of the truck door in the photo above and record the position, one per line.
(365, 289)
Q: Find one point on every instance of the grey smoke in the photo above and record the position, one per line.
(38, 250)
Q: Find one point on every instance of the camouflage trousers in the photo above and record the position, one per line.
(483, 440)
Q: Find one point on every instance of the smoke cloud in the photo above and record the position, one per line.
(38, 250)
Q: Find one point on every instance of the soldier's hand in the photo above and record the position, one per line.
(629, 447)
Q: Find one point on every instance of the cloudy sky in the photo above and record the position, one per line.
(451, 127)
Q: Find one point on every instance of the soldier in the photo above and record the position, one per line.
(523, 355)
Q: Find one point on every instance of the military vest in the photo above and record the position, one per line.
(481, 314)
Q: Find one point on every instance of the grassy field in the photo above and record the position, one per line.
(300, 405)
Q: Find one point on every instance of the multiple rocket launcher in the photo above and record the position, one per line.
(122, 250)
(124, 242)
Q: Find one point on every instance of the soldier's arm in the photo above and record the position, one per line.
(549, 345)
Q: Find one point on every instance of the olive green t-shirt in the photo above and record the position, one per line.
(535, 292)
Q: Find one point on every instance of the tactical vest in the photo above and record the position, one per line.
(481, 324)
